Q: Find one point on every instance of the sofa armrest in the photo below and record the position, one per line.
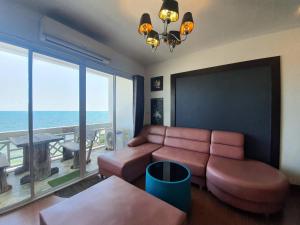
(137, 141)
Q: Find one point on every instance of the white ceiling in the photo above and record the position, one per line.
(115, 22)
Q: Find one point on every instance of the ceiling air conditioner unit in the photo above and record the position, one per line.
(62, 36)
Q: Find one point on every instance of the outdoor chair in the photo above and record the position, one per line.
(71, 148)
(4, 186)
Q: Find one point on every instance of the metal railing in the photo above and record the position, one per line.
(15, 155)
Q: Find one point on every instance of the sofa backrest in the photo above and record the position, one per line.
(154, 134)
(227, 144)
(188, 138)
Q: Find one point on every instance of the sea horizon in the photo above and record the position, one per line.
(18, 120)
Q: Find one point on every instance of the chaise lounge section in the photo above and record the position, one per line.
(246, 184)
(131, 162)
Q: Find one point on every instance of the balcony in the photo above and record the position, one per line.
(15, 158)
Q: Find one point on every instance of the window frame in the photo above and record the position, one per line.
(84, 64)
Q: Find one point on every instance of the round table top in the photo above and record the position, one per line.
(168, 171)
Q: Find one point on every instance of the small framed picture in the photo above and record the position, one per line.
(157, 83)
(157, 111)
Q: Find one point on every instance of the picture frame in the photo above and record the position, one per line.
(157, 111)
(157, 83)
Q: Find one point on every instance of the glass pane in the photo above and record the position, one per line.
(99, 116)
(13, 124)
(55, 122)
(124, 111)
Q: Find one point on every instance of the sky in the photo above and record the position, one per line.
(55, 85)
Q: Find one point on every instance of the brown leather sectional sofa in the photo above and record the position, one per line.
(215, 158)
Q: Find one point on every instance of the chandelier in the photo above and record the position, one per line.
(168, 13)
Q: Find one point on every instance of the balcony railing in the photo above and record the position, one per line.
(15, 155)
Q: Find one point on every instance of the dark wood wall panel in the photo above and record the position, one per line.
(242, 97)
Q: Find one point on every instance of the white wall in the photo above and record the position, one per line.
(285, 44)
(21, 22)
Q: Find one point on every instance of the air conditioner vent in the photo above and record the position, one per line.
(60, 35)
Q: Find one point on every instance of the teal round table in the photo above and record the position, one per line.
(171, 182)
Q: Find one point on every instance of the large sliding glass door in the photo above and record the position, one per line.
(14, 163)
(51, 100)
(99, 116)
(55, 122)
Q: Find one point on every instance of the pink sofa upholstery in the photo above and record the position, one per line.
(215, 158)
(188, 146)
(246, 184)
(131, 162)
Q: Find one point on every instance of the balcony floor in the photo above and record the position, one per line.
(22, 192)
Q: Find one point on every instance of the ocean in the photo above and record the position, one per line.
(18, 120)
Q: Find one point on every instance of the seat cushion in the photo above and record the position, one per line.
(116, 162)
(196, 161)
(112, 202)
(247, 179)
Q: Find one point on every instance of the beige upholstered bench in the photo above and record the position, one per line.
(112, 202)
